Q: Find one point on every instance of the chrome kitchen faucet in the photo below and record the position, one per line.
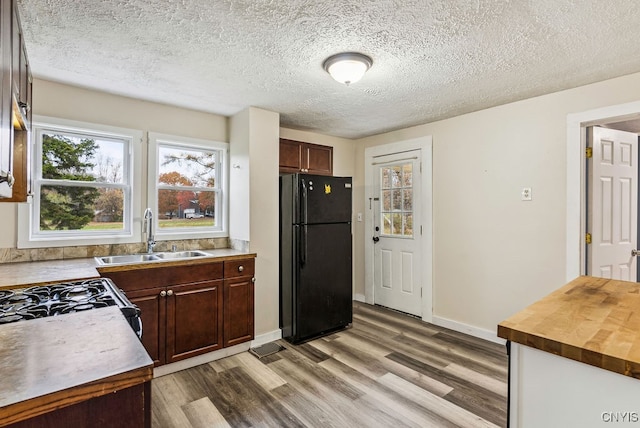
(148, 227)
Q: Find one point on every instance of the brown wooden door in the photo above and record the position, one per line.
(194, 319)
(319, 159)
(290, 156)
(238, 301)
(238, 310)
(152, 306)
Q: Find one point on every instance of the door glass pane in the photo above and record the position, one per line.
(386, 224)
(397, 200)
(396, 193)
(407, 200)
(396, 177)
(386, 200)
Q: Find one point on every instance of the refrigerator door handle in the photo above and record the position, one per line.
(303, 202)
(303, 245)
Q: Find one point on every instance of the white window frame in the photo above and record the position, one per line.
(222, 189)
(29, 235)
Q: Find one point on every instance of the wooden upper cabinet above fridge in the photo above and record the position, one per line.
(306, 158)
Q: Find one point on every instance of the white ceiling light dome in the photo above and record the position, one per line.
(347, 67)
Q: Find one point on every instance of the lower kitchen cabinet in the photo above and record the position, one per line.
(180, 321)
(191, 310)
(153, 314)
(238, 301)
(194, 319)
(126, 408)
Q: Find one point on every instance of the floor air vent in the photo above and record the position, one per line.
(266, 349)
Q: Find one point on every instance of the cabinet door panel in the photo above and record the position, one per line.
(290, 156)
(152, 308)
(194, 319)
(319, 159)
(238, 310)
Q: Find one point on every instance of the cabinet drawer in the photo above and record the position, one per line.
(139, 279)
(236, 268)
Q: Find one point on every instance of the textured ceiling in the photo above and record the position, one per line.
(433, 59)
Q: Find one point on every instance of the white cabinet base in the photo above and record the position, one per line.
(552, 391)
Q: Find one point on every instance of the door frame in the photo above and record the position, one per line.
(425, 145)
(576, 178)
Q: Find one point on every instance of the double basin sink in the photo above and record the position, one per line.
(154, 257)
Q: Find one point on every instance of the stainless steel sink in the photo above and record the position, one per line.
(181, 255)
(142, 258)
(127, 258)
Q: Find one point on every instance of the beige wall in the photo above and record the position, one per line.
(73, 103)
(493, 253)
(264, 213)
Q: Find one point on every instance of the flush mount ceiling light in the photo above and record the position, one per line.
(347, 67)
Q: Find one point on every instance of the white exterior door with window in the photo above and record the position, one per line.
(397, 231)
(612, 215)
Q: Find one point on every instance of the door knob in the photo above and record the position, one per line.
(376, 239)
(635, 253)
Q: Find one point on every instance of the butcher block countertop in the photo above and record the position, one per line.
(52, 362)
(48, 272)
(592, 320)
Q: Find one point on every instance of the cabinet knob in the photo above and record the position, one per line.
(163, 293)
(170, 293)
(253, 279)
(240, 268)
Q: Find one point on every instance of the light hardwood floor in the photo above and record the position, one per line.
(387, 370)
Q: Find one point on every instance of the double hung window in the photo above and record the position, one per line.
(187, 186)
(82, 184)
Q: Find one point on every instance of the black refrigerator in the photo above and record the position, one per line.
(315, 255)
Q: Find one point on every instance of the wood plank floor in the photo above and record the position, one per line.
(387, 370)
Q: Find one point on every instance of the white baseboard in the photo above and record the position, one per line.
(200, 359)
(266, 338)
(480, 333)
(359, 297)
(216, 355)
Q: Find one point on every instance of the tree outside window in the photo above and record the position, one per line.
(80, 186)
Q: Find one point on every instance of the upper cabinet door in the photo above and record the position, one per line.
(306, 158)
(319, 159)
(290, 156)
(6, 144)
(15, 109)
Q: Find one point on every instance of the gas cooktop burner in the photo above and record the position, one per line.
(63, 298)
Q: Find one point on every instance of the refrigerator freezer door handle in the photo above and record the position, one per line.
(303, 201)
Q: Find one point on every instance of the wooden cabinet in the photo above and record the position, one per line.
(126, 408)
(238, 301)
(194, 319)
(15, 107)
(191, 310)
(297, 156)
